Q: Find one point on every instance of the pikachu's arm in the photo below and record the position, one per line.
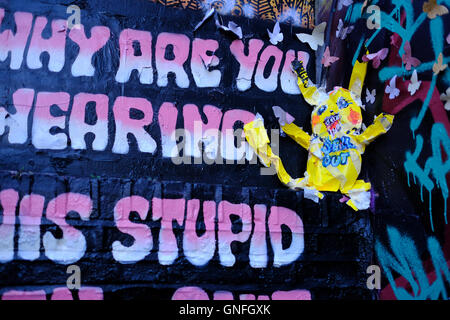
(309, 92)
(256, 136)
(381, 125)
(297, 134)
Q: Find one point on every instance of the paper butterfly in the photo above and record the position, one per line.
(316, 38)
(391, 89)
(275, 36)
(395, 40)
(407, 59)
(370, 96)
(341, 32)
(432, 9)
(344, 3)
(376, 57)
(415, 84)
(327, 59)
(439, 66)
(446, 98)
(207, 15)
(283, 116)
(232, 27)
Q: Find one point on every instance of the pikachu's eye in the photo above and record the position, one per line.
(321, 110)
(342, 103)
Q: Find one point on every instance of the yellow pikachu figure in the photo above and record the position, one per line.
(336, 144)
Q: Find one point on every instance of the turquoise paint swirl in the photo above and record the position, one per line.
(405, 260)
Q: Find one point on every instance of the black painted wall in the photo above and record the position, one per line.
(338, 243)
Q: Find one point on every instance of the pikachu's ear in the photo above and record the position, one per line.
(363, 53)
(297, 66)
(358, 76)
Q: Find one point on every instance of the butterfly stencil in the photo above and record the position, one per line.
(327, 59)
(341, 32)
(432, 9)
(445, 97)
(376, 57)
(275, 36)
(315, 39)
(232, 27)
(344, 3)
(391, 89)
(439, 65)
(415, 84)
(407, 59)
(370, 95)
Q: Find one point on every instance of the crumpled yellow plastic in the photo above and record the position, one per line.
(335, 146)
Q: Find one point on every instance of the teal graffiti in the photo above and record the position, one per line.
(405, 261)
(388, 72)
(446, 77)
(435, 170)
(416, 121)
(436, 28)
(434, 166)
(411, 26)
(354, 11)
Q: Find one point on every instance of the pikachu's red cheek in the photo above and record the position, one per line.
(315, 120)
(354, 117)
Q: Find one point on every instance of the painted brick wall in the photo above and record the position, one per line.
(99, 207)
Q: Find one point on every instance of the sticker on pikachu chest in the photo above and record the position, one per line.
(336, 152)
